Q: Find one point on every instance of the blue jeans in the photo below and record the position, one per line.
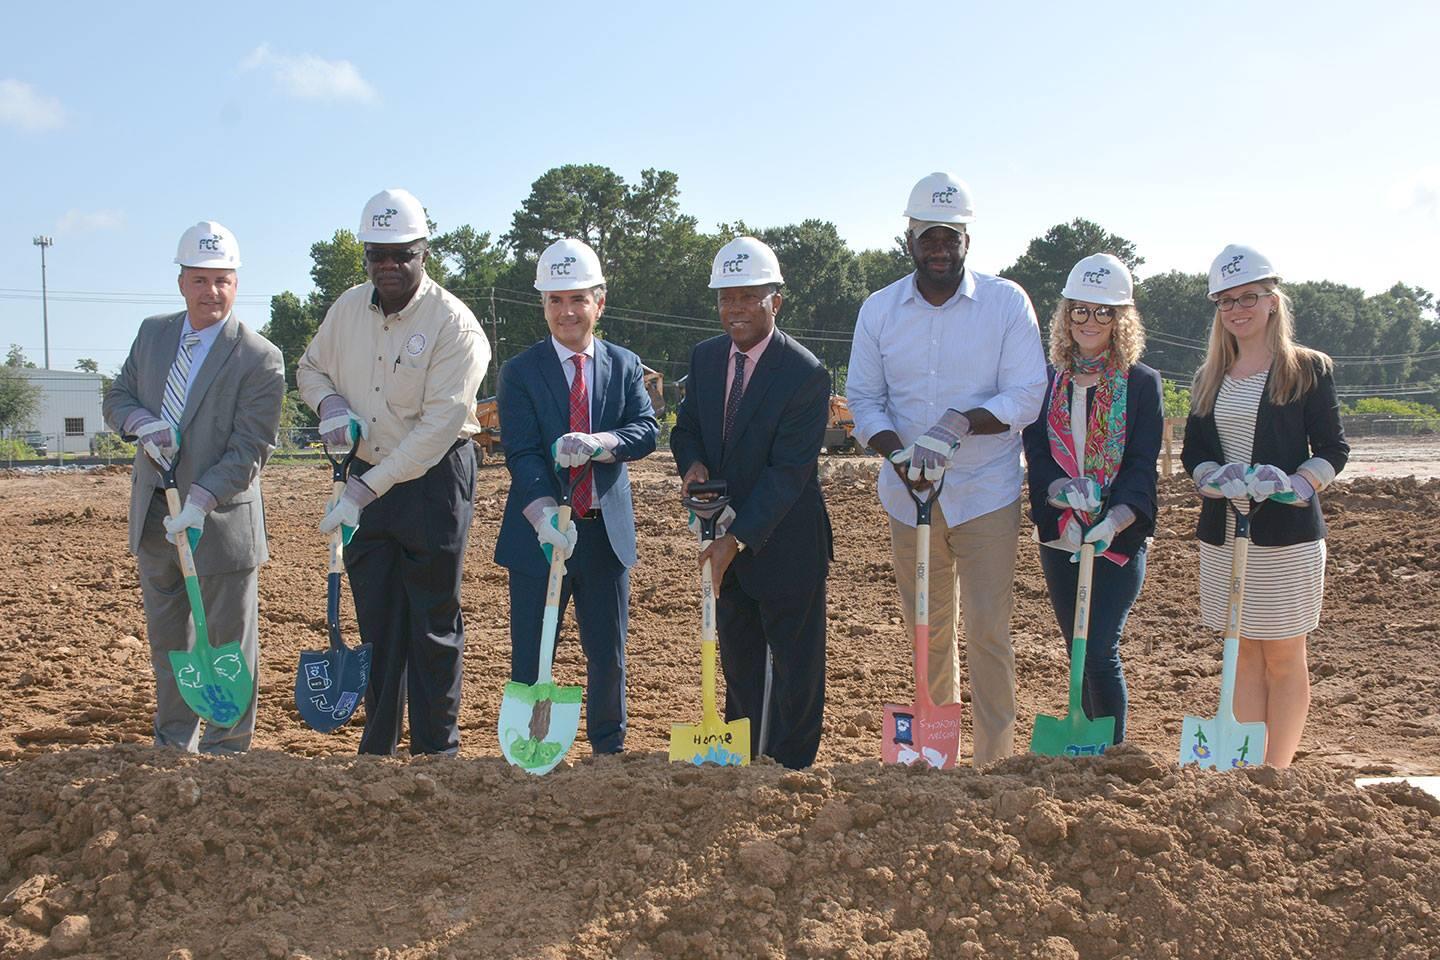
(1113, 592)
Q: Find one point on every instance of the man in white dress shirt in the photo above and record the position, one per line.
(946, 370)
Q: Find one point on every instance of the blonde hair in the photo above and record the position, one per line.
(1127, 339)
(1292, 373)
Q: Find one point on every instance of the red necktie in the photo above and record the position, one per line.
(583, 491)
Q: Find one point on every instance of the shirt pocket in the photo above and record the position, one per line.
(405, 391)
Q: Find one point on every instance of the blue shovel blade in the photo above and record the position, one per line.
(330, 684)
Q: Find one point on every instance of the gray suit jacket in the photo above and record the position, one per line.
(227, 432)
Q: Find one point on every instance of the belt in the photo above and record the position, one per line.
(591, 515)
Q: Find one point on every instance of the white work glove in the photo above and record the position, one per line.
(929, 456)
(547, 529)
(159, 440)
(722, 525)
(338, 424)
(191, 519)
(1071, 535)
(1224, 483)
(345, 512)
(1265, 482)
(1104, 533)
(576, 449)
(1075, 493)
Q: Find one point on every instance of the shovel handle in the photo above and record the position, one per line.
(192, 582)
(922, 606)
(1080, 636)
(707, 643)
(1239, 556)
(551, 623)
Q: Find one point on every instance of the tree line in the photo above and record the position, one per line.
(657, 266)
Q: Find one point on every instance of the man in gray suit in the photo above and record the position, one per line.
(201, 386)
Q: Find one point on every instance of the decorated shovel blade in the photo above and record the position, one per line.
(1217, 743)
(717, 742)
(538, 724)
(1074, 735)
(914, 732)
(214, 681)
(330, 684)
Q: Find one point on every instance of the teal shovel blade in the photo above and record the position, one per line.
(215, 681)
(529, 738)
(1073, 735)
(1221, 743)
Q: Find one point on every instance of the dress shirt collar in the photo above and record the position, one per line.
(208, 335)
(565, 353)
(421, 292)
(752, 356)
(966, 289)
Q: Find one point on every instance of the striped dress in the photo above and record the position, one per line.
(1283, 585)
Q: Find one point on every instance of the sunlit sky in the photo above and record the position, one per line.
(1307, 130)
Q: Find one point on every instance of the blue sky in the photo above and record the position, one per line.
(1307, 130)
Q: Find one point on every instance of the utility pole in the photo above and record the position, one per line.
(42, 243)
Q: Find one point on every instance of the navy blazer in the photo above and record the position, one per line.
(1286, 435)
(534, 407)
(770, 463)
(1134, 484)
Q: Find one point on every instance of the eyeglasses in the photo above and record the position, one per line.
(735, 300)
(1246, 300)
(1079, 313)
(400, 257)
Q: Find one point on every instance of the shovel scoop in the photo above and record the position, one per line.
(539, 721)
(712, 740)
(923, 730)
(330, 683)
(1221, 742)
(215, 682)
(1076, 735)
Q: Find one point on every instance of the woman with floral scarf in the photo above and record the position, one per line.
(1091, 467)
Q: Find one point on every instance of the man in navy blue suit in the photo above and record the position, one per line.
(568, 400)
(754, 414)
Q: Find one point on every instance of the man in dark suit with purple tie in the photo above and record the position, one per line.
(754, 415)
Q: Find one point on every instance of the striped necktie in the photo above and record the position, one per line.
(583, 493)
(173, 406)
(732, 402)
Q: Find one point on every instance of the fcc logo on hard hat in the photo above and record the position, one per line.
(946, 196)
(1233, 267)
(736, 264)
(381, 220)
(1095, 278)
(561, 268)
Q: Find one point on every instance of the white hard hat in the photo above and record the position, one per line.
(568, 265)
(208, 244)
(1238, 265)
(941, 198)
(1100, 278)
(744, 262)
(393, 216)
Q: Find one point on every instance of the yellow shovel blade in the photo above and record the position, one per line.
(725, 744)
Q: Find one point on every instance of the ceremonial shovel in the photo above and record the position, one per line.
(329, 684)
(1221, 741)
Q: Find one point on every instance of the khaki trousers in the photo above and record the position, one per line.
(979, 555)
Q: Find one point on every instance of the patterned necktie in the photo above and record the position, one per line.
(583, 491)
(732, 402)
(173, 404)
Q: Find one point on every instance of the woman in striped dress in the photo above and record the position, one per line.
(1264, 433)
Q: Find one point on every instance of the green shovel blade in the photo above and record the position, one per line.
(1074, 735)
(215, 681)
(519, 724)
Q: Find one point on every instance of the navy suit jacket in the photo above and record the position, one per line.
(769, 463)
(534, 407)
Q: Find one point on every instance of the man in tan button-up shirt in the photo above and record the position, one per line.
(401, 359)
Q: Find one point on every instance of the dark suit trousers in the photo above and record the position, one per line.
(600, 584)
(792, 625)
(405, 564)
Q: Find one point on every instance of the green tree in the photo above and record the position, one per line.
(291, 327)
(1043, 267)
(86, 365)
(1177, 314)
(824, 283)
(337, 265)
(16, 358)
(880, 268)
(19, 398)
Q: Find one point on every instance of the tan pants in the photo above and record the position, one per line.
(979, 555)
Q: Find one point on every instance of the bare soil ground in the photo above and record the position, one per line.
(109, 848)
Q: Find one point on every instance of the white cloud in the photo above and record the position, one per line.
(24, 107)
(78, 221)
(308, 77)
(1419, 192)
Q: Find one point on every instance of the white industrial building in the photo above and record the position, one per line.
(69, 412)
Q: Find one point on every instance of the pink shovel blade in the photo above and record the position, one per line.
(921, 732)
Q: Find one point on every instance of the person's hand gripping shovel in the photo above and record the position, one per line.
(539, 721)
(1221, 742)
(1075, 734)
(215, 682)
(923, 730)
(329, 684)
(712, 740)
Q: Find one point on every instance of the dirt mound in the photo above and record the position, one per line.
(147, 852)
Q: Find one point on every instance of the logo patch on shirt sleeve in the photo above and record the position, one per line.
(415, 345)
